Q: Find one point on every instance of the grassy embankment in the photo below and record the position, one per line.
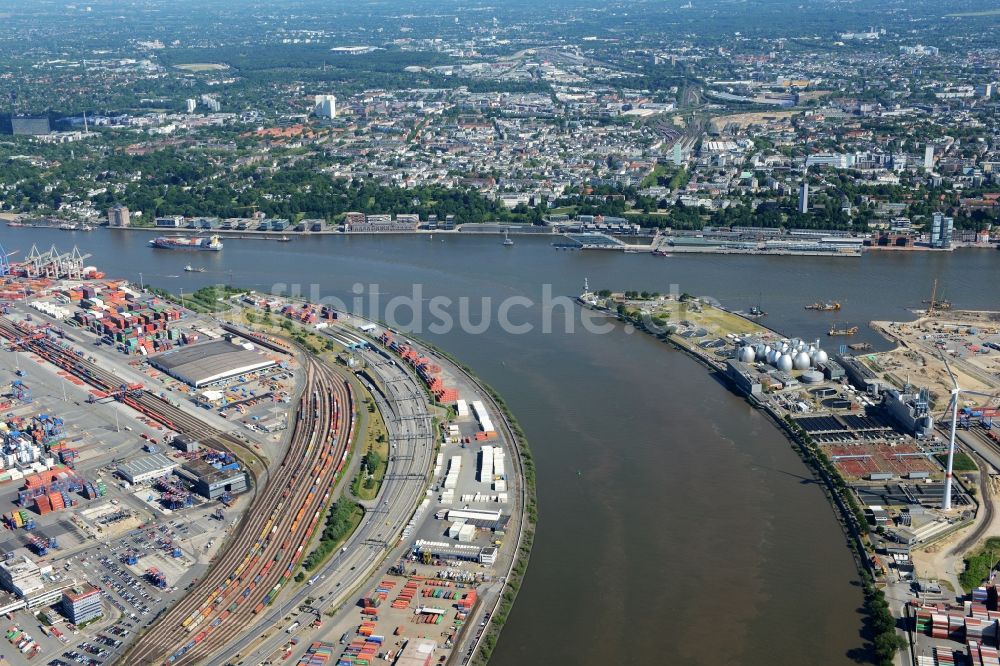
(375, 456)
(979, 564)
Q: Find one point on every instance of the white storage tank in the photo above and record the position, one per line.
(784, 363)
(801, 361)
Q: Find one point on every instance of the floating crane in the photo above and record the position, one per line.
(933, 303)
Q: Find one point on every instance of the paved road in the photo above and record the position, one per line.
(408, 422)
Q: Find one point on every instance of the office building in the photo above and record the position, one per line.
(325, 106)
(81, 603)
(804, 197)
(21, 576)
(118, 216)
(941, 231)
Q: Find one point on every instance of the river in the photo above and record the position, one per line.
(676, 524)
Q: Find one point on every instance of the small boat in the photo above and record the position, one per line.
(860, 346)
(755, 312)
(829, 306)
(284, 239)
(190, 269)
(507, 242)
(66, 226)
(842, 331)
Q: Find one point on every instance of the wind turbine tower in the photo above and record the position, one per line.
(956, 394)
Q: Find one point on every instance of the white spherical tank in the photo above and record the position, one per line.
(762, 351)
(784, 363)
(784, 347)
(795, 343)
(801, 361)
(820, 357)
(747, 355)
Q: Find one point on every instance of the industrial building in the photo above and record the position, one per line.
(210, 362)
(30, 125)
(145, 468)
(119, 216)
(911, 410)
(745, 377)
(81, 604)
(211, 482)
(481, 518)
(418, 652)
(858, 374)
(23, 576)
(20, 576)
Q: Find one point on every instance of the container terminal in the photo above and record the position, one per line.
(165, 475)
(883, 423)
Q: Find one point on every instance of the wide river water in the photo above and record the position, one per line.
(677, 526)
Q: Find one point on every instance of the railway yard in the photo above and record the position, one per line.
(187, 473)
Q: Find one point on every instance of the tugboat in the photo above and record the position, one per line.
(507, 242)
(824, 307)
(756, 312)
(189, 269)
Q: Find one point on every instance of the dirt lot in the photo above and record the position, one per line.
(744, 120)
(918, 354)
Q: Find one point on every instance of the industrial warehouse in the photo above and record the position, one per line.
(210, 362)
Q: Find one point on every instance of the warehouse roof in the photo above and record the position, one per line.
(203, 364)
(151, 463)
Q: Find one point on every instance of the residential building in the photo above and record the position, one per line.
(325, 106)
(941, 231)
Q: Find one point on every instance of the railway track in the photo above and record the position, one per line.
(271, 541)
(268, 543)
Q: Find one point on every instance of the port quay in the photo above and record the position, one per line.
(578, 234)
(273, 481)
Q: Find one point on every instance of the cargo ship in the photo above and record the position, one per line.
(183, 243)
(824, 307)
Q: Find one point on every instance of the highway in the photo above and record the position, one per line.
(404, 407)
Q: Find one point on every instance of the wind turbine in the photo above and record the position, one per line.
(956, 393)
